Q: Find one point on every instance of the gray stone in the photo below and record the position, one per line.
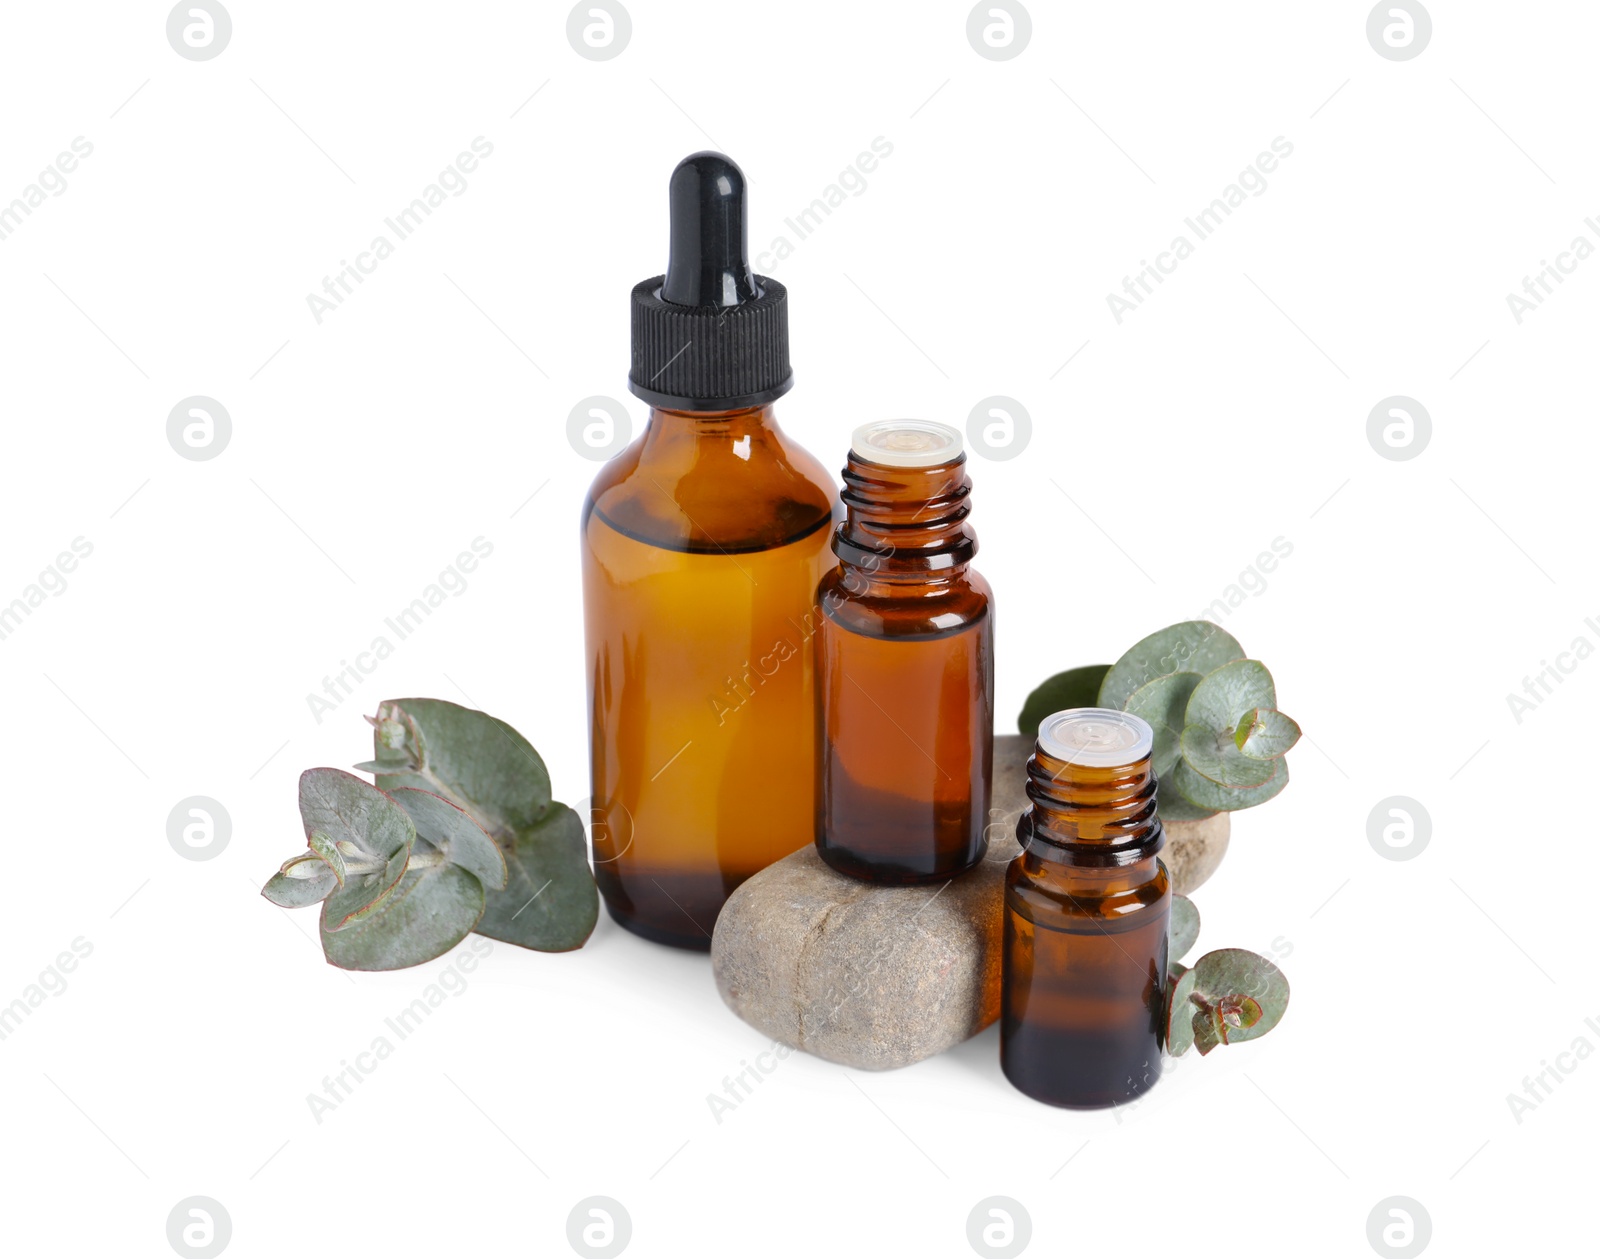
(871, 977)
(1193, 852)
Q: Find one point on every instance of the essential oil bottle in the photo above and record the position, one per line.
(905, 665)
(703, 543)
(1087, 900)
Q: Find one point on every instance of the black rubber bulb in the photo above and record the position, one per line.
(709, 262)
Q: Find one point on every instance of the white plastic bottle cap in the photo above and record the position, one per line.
(1100, 738)
(906, 443)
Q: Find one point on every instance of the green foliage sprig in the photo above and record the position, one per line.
(1228, 996)
(1220, 740)
(459, 833)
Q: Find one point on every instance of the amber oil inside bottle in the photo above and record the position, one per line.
(1086, 908)
(702, 546)
(905, 665)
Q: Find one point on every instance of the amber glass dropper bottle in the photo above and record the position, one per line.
(703, 543)
(905, 665)
(1084, 966)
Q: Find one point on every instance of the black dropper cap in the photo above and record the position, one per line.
(709, 335)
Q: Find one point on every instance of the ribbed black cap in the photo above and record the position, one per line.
(709, 335)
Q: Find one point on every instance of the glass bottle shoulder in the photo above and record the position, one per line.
(1053, 892)
(934, 606)
(721, 484)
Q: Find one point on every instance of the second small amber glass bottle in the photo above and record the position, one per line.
(905, 665)
(1084, 967)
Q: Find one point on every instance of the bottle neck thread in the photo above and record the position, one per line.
(1089, 815)
(906, 522)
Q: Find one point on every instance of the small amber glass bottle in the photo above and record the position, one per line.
(1086, 907)
(905, 665)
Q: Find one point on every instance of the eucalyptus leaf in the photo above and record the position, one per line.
(1201, 792)
(1187, 647)
(372, 907)
(1206, 1024)
(1076, 688)
(1162, 702)
(1183, 928)
(1240, 1014)
(474, 760)
(549, 902)
(296, 891)
(1228, 693)
(327, 848)
(1217, 757)
(352, 812)
(361, 890)
(1246, 993)
(427, 914)
(1266, 734)
(454, 833)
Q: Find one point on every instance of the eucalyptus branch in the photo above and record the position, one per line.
(1220, 741)
(1230, 995)
(459, 833)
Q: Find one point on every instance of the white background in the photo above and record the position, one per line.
(369, 449)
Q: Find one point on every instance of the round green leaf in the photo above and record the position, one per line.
(1217, 757)
(474, 760)
(1162, 702)
(325, 848)
(1183, 928)
(1201, 792)
(1266, 734)
(1076, 688)
(426, 914)
(352, 812)
(454, 833)
(1206, 1024)
(1228, 693)
(549, 902)
(303, 881)
(1187, 647)
(1248, 993)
